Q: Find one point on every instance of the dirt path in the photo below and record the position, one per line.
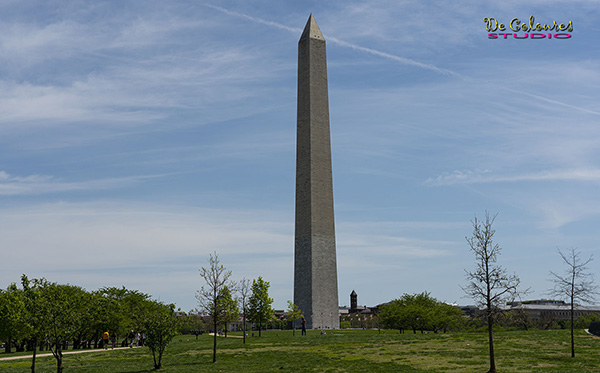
(64, 353)
(229, 336)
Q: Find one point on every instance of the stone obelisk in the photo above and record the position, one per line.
(315, 268)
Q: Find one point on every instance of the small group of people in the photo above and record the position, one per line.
(135, 339)
(106, 336)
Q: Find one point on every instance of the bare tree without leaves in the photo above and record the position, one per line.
(577, 285)
(216, 277)
(244, 292)
(489, 285)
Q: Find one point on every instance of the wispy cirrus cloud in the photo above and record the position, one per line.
(486, 176)
(108, 243)
(12, 185)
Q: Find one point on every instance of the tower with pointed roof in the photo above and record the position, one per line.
(353, 301)
(315, 264)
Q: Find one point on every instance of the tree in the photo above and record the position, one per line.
(577, 285)
(229, 306)
(447, 316)
(392, 315)
(244, 291)
(160, 325)
(489, 285)
(192, 323)
(418, 312)
(216, 277)
(294, 313)
(34, 318)
(12, 316)
(60, 313)
(259, 305)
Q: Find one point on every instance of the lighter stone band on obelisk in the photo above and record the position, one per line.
(315, 267)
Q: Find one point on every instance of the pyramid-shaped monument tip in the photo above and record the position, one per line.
(311, 30)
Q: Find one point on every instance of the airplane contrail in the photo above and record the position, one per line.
(541, 98)
(403, 60)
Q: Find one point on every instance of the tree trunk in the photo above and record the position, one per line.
(215, 340)
(159, 359)
(491, 342)
(572, 326)
(154, 357)
(244, 323)
(35, 343)
(8, 346)
(58, 356)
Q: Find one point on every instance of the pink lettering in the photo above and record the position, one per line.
(562, 36)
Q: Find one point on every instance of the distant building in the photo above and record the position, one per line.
(541, 311)
(548, 310)
(355, 308)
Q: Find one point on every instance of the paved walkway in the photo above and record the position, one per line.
(64, 353)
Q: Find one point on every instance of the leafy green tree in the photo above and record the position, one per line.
(62, 313)
(120, 310)
(414, 311)
(52, 313)
(259, 305)
(447, 316)
(32, 290)
(392, 315)
(160, 326)
(294, 313)
(229, 307)
(191, 322)
(12, 316)
(419, 312)
(216, 277)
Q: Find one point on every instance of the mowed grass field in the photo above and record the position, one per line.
(345, 351)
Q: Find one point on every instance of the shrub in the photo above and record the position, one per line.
(595, 328)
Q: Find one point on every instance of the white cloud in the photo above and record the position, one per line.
(62, 240)
(486, 176)
(43, 184)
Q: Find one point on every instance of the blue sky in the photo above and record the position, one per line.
(138, 137)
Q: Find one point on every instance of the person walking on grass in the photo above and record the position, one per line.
(105, 337)
(131, 337)
(303, 323)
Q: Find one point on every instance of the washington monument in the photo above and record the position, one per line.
(315, 268)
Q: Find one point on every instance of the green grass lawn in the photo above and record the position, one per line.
(346, 351)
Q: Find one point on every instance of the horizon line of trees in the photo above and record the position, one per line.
(46, 315)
